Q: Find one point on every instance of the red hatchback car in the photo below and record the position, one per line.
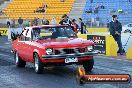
(52, 45)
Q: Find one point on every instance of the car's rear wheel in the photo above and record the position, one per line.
(18, 61)
(88, 65)
(38, 65)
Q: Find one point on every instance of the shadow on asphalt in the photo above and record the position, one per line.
(58, 71)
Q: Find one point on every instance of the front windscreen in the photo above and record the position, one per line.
(54, 32)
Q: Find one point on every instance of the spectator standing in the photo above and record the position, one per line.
(53, 21)
(108, 23)
(8, 22)
(115, 29)
(39, 21)
(45, 21)
(82, 26)
(1, 12)
(97, 21)
(92, 21)
(74, 26)
(26, 23)
(13, 23)
(35, 22)
(20, 22)
(65, 20)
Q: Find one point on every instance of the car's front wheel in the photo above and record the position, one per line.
(38, 65)
(88, 65)
(18, 61)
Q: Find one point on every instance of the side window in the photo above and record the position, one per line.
(28, 35)
(35, 33)
(22, 37)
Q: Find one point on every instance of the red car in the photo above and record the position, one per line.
(52, 45)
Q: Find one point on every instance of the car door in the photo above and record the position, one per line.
(21, 44)
(29, 48)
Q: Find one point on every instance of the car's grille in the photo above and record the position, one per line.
(69, 51)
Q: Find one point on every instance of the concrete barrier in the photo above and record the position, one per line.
(129, 53)
(97, 29)
(104, 44)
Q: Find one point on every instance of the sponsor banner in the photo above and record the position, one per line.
(104, 78)
(100, 43)
(83, 78)
(107, 78)
(3, 31)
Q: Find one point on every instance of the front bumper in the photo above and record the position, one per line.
(69, 55)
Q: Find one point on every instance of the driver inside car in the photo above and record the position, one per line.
(36, 34)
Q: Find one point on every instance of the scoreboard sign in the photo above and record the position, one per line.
(100, 43)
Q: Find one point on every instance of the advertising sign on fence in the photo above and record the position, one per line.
(100, 43)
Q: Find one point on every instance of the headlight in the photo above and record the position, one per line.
(90, 48)
(49, 51)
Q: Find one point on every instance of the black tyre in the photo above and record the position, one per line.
(38, 65)
(18, 61)
(88, 66)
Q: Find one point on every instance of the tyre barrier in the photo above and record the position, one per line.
(104, 43)
(129, 53)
